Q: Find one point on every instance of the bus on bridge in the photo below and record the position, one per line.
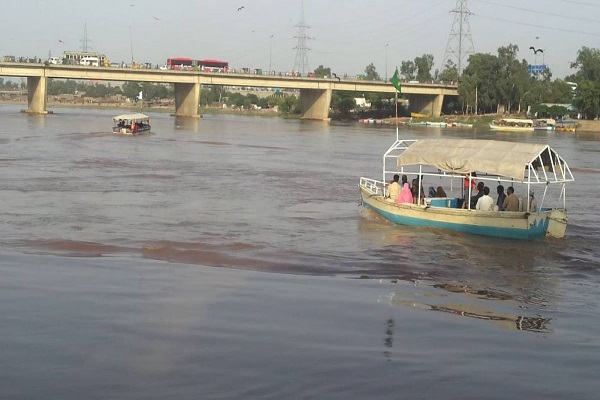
(184, 63)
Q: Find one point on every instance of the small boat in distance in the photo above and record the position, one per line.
(545, 124)
(131, 124)
(452, 162)
(566, 126)
(512, 125)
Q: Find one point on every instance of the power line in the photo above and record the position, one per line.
(538, 12)
(538, 26)
(581, 3)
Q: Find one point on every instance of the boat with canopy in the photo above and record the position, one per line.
(131, 124)
(512, 125)
(456, 163)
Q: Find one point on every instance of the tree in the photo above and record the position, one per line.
(346, 105)
(423, 65)
(131, 89)
(371, 73)
(408, 69)
(481, 73)
(449, 73)
(322, 72)
(587, 97)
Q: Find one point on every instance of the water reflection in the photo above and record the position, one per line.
(388, 340)
(187, 123)
(507, 321)
(36, 121)
(481, 304)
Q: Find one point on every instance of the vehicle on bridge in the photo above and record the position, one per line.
(189, 64)
(131, 124)
(90, 61)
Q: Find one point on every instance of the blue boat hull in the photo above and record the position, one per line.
(524, 226)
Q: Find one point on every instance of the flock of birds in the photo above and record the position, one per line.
(158, 19)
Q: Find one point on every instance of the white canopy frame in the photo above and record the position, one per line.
(526, 163)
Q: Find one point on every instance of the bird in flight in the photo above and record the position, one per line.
(60, 41)
(241, 8)
(158, 19)
(132, 5)
(535, 51)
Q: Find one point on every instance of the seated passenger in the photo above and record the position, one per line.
(485, 202)
(474, 199)
(440, 192)
(501, 196)
(394, 188)
(431, 191)
(511, 202)
(417, 184)
(532, 202)
(406, 194)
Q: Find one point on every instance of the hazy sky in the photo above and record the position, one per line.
(345, 35)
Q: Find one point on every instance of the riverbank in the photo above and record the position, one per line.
(478, 121)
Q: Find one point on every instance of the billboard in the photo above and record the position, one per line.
(537, 69)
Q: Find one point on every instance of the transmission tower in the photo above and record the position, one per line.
(85, 40)
(301, 62)
(460, 41)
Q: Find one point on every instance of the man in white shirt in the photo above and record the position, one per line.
(485, 202)
(394, 189)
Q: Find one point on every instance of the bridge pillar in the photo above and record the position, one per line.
(426, 104)
(315, 103)
(187, 99)
(36, 94)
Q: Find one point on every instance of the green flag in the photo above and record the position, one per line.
(396, 82)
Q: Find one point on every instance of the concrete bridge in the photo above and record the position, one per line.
(315, 93)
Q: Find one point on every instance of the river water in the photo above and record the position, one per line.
(227, 257)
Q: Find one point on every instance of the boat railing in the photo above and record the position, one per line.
(372, 186)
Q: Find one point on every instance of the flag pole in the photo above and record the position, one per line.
(396, 82)
(397, 132)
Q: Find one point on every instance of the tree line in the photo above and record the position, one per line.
(495, 83)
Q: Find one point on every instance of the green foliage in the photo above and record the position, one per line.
(587, 77)
(8, 85)
(322, 72)
(346, 105)
(371, 73)
(449, 73)
(423, 66)
(408, 70)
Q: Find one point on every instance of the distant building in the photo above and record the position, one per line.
(74, 57)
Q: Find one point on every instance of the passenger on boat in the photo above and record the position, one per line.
(474, 199)
(394, 188)
(466, 187)
(417, 184)
(532, 202)
(511, 203)
(485, 202)
(406, 194)
(439, 192)
(501, 196)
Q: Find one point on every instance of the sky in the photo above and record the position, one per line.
(345, 35)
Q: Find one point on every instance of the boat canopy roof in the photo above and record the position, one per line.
(548, 121)
(132, 117)
(505, 159)
(517, 121)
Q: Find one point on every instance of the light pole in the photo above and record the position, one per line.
(386, 75)
(270, 51)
